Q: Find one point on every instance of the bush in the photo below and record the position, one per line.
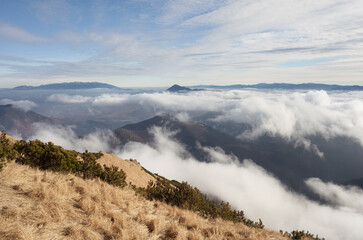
(48, 156)
(7, 151)
(90, 168)
(114, 176)
(299, 235)
(185, 196)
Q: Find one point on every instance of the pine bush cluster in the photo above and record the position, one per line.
(48, 156)
(185, 196)
(299, 235)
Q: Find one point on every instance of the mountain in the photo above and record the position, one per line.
(68, 85)
(178, 88)
(14, 120)
(19, 122)
(291, 164)
(288, 86)
(188, 133)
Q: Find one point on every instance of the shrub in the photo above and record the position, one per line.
(90, 168)
(114, 176)
(7, 151)
(48, 156)
(185, 196)
(299, 235)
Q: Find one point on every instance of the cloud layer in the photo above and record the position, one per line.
(24, 105)
(294, 116)
(66, 137)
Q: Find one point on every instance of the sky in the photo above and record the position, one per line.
(154, 43)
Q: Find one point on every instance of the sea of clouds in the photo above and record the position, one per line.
(289, 114)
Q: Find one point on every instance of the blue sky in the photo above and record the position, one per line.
(158, 43)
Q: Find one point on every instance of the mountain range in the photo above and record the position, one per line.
(287, 86)
(68, 85)
(178, 88)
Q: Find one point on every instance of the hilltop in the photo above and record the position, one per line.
(68, 86)
(178, 88)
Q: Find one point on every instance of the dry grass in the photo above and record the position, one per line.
(11, 139)
(134, 172)
(45, 205)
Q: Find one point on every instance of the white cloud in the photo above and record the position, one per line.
(10, 32)
(66, 137)
(295, 116)
(24, 105)
(65, 98)
(250, 188)
(214, 41)
(110, 99)
(349, 197)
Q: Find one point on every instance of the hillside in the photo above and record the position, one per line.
(134, 171)
(13, 119)
(38, 204)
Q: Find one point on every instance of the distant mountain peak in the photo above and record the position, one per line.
(68, 85)
(178, 88)
(168, 116)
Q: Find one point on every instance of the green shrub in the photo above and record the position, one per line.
(298, 235)
(114, 176)
(7, 151)
(90, 168)
(185, 196)
(48, 156)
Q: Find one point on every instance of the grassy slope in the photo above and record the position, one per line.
(37, 204)
(134, 172)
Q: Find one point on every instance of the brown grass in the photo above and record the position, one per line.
(45, 205)
(11, 139)
(134, 172)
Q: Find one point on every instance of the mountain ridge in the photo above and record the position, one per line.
(287, 86)
(67, 86)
